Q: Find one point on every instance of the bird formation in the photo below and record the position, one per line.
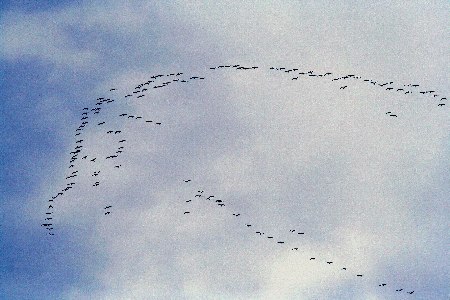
(388, 86)
(81, 158)
(220, 203)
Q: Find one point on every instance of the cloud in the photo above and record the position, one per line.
(285, 154)
(39, 36)
(291, 168)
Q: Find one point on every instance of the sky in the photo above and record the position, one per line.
(361, 170)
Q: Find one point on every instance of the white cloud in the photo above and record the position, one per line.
(284, 153)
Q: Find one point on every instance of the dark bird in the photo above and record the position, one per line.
(312, 258)
(122, 141)
(441, 104)
(329, 262)
(342, 87)
(300, 233)
(101, 123)
(248, 225)
(118, 131)
(112, 90)
(186, 212)
(122, 115)
(344, 268)
(280, 242)
(359, 275)
(79, 141)
(158, 123)
(399, 290)
(93, 159)
(108, 207)
(410, 292)
(383, 284)
(110, 131)
(236, 215)
(187, 180)
(107, 213)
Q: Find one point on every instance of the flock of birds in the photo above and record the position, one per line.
(93, 117)
(221, 203)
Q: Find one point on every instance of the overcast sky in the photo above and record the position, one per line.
(360, 164)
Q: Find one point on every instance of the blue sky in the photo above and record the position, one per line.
(370, 190)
